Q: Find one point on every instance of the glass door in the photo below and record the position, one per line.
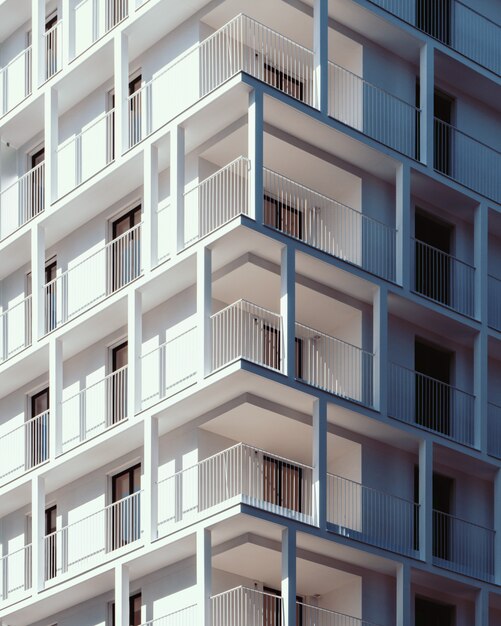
(124, 259)
(124, 520)
(117, 389)
(37, 430)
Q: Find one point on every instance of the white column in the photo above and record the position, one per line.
(51, 143)
(177, 174)
(255, 130)
(427, 90)
(38, 42)
(204, 576)
(288, 308)
(321, 54)
(320, 461)
(289, 576)
(497, 527)
(134, 348)
(481, 350)
(204, 311)
(481, 387)
(37, 532)
(68, 35)
(380, 348)
(481, 243)
(149, 240)
(121, 595)
(482, 607)
(150, 476)
(55, 395)
(121, 73)
(38, 281)
(403, 594)
(425, 500)
(403, 226)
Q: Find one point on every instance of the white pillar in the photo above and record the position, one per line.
(55, 395)
(288, 308)
(38, 281)
(134, 348)
(38, 532)
(149, 240)
(289, 576)
(204, 311)
(426, 500)
(204, 576)
(497, 527)
(121, 595)
(37, 43)
(321, 54)
(403, 226)
(426, 97)
(255, 140)
(380, 348)
(150, 476)
(68, 34)
(482, 607)
(403, 594)
(481, 241)
(481, 387)
(121, 73)
(51, 109)
(177, 178)
(320, 461)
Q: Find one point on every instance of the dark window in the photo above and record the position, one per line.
(443, 493)
(434, 17)
(117, 389)
(34, 201)
(135, 133)
(124, 253)
(271, 346)
(272, 608)
(134, 610)
(37, 430)
(429, 613)
(286, 83)
(51, 46)
(50, 296)
(50, 543)
(282, 483)
(283, 217)
(443, 133)
(125, 515)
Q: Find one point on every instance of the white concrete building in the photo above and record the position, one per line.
(250, 312)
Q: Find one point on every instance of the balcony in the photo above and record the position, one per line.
(183, 617)
(15, 574)
(15, 81)
(372, 516)
(494, 303)
(15, 328)
(494, 430)
(431, 404)
(53, 50)
(93, 19)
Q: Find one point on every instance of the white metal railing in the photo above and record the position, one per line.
(92, 279)
(15, 328)
(244, 330)
(494, 302)
(23, 200)
(15, 573)
(170, 367)
(334, 365)
(92, 410)
(139, 120)
(318, 616)
(467, 160)
(186, 616)
(494, 430)
(463, 546)
(53, 49)
(83, 543)
(243, 606)
(24, 447)
(85, 154)
(329, 225)
(372, 516)
(15, 81)
(444, 278)
(260, 479)
(94, 18)
(431, 404)
(216, 200)
(372, 110)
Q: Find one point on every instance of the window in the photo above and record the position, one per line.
(50, 296)
(283, 217)
(125, 514)
(282, 483)
(443, 133)
(50, 542)
(124, 253)
(51, 46)
(134, 610)
(32, 194)
(37, 430)
(117, 389)
(272, 608)
(134, 112)
(430, 613)
(285, 82)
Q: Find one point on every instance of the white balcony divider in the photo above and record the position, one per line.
(244, 330)
(494, 302)
(431, 404)
(246, 607)
(93, 279)
(372, 110)
(444, 278)
(24, 447)
(494, 430)
(170, 367)
(334, 365)
(92, 410)
(186, 616)
(15, 573)
(463, 546)
(372, 516)
(53, 49)
(85, 154)
(328, 225)
(467, 160)
(23, 200)
(15, 328)
(317, 616)
(255, 477)
(86, 542)
(15, 81)
(216, 200)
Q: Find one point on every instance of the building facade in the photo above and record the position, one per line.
(250, 312)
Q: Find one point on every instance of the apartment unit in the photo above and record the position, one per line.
(250, 313)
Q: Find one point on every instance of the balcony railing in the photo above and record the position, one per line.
(15, 328)
(15, 81)
(456, 25)
(15, 574)
(444, 279)
(334, 365)
(494, 302)
(93, 279)
(82, 544)
(24, 447)
(251, 475)
(94, 19)
(373, 111)
(170, 367)
(183, 617)
(328, 225)
(53, 49)
(246, 607)
(85, 154)
(494, 430)
(23, 200)
(431, 404)
(317, 616)
(372, 516)
(216, 200)
(463, 546)
(92, 410)
(467, 160)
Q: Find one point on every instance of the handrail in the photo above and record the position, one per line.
(243, 301)
(442, 253)
(91, 124)
(464, 521)
(24, 176)
(373, 489)
(434, 380)
(461, 132)
(16, 58)
(98, 382)
(341, 341)
(218, 173)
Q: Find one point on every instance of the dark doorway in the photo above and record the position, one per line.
(282, 483)
(443, 132)
(35, 188)
(50, 542)
(135, 133)
(443, 494)
(272, 613)
(134, 610)
(429, 613)
(124, 252)
(37, 430)
(125, 514)
(117, 389)
(434, 17)
(283, 217)
(50, 296)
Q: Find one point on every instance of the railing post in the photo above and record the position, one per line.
(121, 73)
(403, 594)
(497, 527)
(403, 226)
(289, 576)
(380, 350)
(150, 488)
(288, 309)
(481, 388)
(426, 499)
(177, 177)
(426, 103)
(51, 115)
(135, 342)
(121, 595)
(320, 462)
(55, 395)
(204, 576)
(149, 254)
(38, 532)
(37, 43)
(204, 311)
(321, 54)
(481, 233)
(38, 281)
(482, 607)
(255, 130)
